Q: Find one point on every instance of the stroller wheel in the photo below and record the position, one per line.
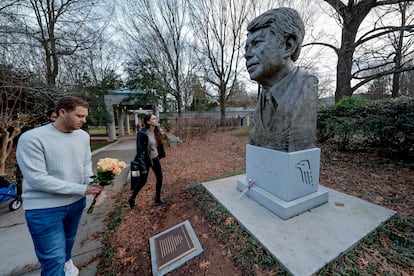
(15, 204)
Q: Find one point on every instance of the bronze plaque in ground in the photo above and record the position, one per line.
(173, 247)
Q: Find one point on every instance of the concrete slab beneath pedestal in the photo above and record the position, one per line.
(307, 242)
(284, 209)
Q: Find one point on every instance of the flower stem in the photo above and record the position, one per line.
(90, 209)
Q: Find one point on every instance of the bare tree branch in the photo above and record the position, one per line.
(59, 27)
(219, 30)
(352, 15)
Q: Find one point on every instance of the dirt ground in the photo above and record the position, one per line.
(222, 153)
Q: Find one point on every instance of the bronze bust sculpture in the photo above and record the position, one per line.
(285, 115)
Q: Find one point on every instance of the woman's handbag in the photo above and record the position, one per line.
(134, 174)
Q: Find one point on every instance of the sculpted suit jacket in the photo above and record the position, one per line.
(291, 124)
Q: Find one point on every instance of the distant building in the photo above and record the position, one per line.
(121, 104)
(235, 116)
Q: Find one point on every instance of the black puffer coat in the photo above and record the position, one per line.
(143, 157)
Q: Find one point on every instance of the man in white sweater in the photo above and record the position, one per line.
(55, 160)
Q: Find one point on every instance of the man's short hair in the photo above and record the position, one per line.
(69, 103)
(284, 21)
(49, 112)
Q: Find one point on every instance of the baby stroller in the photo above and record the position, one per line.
(12, 190)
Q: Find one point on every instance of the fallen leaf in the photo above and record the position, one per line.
(385, 241)
(229, 221)
(204, 264)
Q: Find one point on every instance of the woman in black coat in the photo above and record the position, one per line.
(149, 152)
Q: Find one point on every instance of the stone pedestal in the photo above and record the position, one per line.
(285, 183)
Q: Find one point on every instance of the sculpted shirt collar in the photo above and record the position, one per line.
(279, 90)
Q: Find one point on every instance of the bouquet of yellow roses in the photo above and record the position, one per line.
(106, 171)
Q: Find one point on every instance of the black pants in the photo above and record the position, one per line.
(156, 168)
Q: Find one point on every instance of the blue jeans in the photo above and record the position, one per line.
(53, 232)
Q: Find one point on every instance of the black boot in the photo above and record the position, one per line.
(161, 201)
(132, 204)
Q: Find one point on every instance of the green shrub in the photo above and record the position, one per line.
(340, 121)
(388, 125)
(385, 125)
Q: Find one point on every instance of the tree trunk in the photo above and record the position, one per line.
(222, 114)
(3, 153)
(222, 103)
(398, 54)
(6, 142)
(50, 73)
(352, 17)
(345, 62)
(179, 110)
(395, 84)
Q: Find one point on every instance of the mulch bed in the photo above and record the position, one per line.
(207, 155)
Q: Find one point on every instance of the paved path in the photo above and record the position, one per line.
(16, 248)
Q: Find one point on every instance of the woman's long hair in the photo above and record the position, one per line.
(157, 131)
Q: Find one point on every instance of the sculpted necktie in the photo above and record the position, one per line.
(269, 106)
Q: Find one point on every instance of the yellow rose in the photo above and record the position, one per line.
(103, 167)
(116, 171)
(122, 164)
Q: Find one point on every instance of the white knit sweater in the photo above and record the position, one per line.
(56, 166)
